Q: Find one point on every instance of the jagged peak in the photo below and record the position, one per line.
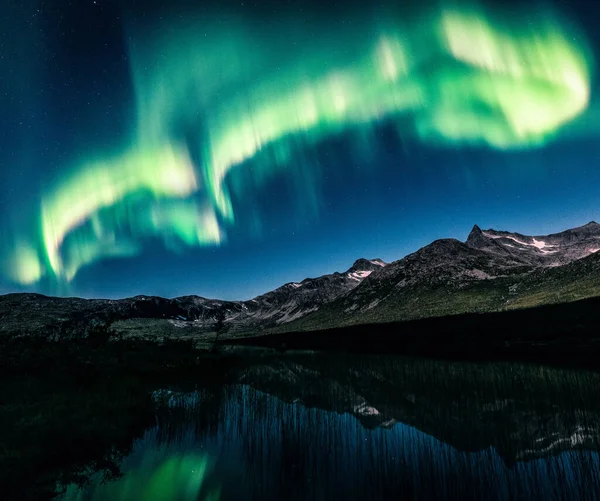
(475, 234)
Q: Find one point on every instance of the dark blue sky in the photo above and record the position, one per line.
(67, 89)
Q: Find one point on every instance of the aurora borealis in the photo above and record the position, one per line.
(221, 108)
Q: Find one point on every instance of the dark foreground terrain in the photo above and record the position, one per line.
(566, 333)
(72, 409)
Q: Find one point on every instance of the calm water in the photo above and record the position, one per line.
(312, 427)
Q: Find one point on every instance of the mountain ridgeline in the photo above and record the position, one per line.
(492, 271)
(182, 317)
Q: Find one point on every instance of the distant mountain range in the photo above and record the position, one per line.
(492, 271)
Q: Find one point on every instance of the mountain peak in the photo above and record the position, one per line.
(363, 264)
(475, 231)
(475, 235)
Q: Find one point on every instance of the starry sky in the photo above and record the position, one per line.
(183, 147)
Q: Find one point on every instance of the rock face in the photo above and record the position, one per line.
(297, 299)
(544, 250)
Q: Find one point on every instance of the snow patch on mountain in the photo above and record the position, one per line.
(359, 275)
(539, 245)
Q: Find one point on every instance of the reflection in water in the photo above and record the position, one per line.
(154, 475)
(318, 427)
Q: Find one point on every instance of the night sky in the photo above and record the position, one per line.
(173, 148)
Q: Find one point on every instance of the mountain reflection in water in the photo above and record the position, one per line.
(323, 427)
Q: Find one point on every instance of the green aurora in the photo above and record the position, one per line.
(213, 95)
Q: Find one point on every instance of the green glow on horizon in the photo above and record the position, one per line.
(460, 76)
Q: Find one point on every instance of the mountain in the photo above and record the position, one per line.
(491, 271)
(544, 250)
(297, 299)
(26, 314)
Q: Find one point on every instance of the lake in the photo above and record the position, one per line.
(323, 427)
